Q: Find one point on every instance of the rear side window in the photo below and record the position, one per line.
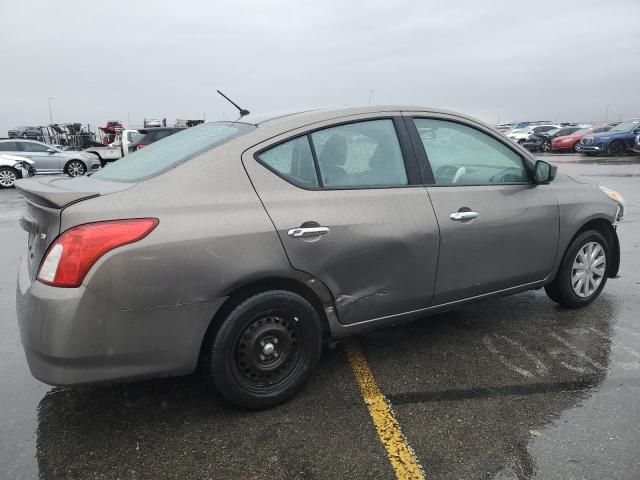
(360, 154)
(33, 147)
(172, 151)
(8, 147)
(293, 161)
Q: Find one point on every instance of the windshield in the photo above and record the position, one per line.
(625, 126)
(172, 151)
(581, 131)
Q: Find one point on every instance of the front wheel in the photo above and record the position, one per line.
(616, 148)
(8, 177)
(265, 349)
(583, 272)
(75, 168)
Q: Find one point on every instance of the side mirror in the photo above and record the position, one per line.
(50, 150)
(544, 172)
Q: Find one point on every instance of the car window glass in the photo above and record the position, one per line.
(292, 160)
(34, 147)
(8, 147)
(461, 155)
(170, 152)
(360, 154)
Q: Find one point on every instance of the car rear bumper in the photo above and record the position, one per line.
(71, 335)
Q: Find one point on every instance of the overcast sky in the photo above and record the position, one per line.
(512, 60)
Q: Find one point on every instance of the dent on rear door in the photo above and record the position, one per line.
(380, 256)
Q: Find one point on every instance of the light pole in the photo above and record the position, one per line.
(370, 94)
(606, 113)
(50, 115)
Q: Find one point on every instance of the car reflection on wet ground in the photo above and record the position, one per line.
(508, 388)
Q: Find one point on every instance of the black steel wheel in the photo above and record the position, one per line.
(265, 349)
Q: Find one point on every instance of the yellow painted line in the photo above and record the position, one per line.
(401, 455)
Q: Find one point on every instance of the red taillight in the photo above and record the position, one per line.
(141, 146)
(70, 257)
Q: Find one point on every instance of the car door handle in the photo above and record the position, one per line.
(301, 232)
(462, 216)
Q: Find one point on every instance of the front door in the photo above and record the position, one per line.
(47, 159)
(498, 229)
(349, 210)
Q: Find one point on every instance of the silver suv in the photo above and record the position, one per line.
(49, 159)
(243, 246)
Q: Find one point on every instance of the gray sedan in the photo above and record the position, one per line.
(242, 246)
(49, 159)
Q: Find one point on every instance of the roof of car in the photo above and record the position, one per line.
(329, 113)
(26, 140)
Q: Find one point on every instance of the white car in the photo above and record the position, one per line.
(521, 135)
(13, 168)
(115, 150)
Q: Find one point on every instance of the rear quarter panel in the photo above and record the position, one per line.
(213, 235)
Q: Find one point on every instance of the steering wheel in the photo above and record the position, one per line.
(502, 172)
(459, 173)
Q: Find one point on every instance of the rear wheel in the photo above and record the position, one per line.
(583, 272)
(265, 349)
(8, 177)
(75, 168)
(576, 147)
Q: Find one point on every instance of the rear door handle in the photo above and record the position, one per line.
(462, 216)
(301, 232)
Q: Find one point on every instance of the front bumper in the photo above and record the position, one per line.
(71, 335)
(592, 148)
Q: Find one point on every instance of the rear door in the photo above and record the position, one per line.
(349, 209)
(498, 229)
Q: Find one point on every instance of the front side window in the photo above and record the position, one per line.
(360, 154)
(293, 161)
(461, 155)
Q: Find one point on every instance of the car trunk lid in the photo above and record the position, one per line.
(46, 199)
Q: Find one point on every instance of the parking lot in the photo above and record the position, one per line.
(510, 388)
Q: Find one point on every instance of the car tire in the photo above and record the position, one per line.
(265, 349)
(521, 141)
(566, 289)
(8, 177)
(616, 148)
(576, 147)
(75, 168)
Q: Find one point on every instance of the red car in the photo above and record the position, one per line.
(571, 143)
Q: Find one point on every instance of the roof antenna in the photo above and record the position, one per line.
(242, 111)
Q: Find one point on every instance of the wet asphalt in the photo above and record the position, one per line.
(513, 388)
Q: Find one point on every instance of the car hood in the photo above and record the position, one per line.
(610, 134)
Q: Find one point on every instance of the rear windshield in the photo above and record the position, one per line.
(172, 151)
